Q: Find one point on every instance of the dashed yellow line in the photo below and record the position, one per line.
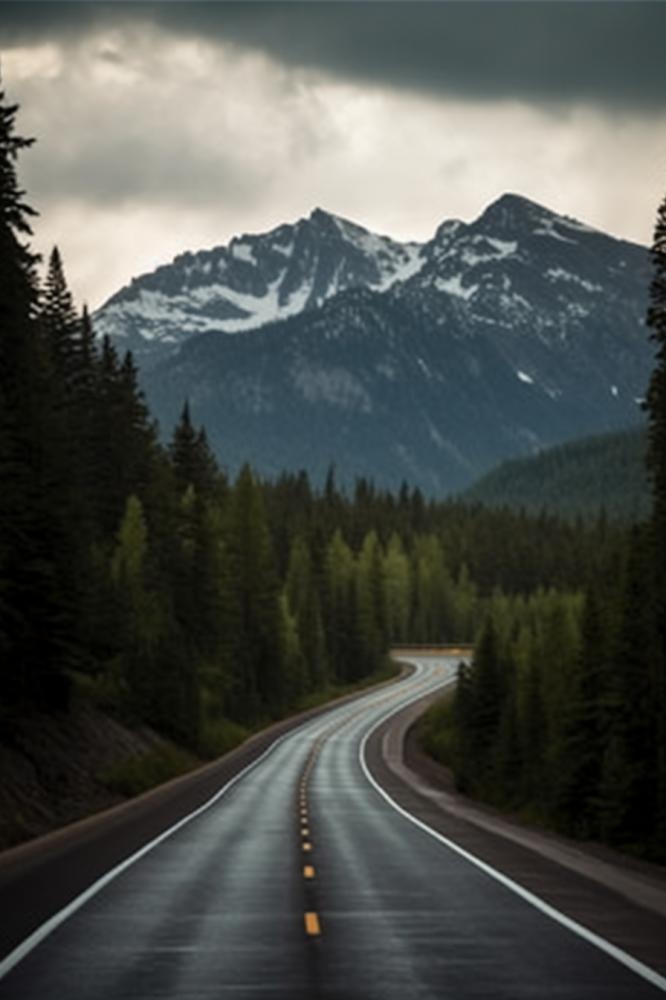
(312, 925)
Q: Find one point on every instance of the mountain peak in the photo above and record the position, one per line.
(513, 213)
(319, 214)
(328, 223)
(322, 219)
(513, 210)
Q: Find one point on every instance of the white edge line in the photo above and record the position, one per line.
(12, 959)
(639, 968)
(30, 943)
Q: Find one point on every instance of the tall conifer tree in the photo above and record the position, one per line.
(35, 639)
(656, 408)
(193, 462)
(62, 325)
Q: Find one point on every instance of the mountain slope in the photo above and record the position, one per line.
(577, 478)
(497, 338)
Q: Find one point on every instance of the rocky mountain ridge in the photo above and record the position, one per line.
(253, 281)
(428, 363)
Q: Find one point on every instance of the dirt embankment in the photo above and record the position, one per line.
(56, 769)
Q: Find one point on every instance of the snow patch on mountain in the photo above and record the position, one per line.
(547, 227)
(559, 274)
(242, 251)
(254, 281)
(454, 286)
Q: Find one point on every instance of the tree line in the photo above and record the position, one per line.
(578, 478)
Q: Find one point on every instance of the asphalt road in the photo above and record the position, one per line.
(303, 880)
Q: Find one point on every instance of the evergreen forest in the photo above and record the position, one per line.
(578, 479)
(136, 574)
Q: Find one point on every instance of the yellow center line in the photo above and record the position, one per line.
(312, 924)
(308, 871)
(307, 846)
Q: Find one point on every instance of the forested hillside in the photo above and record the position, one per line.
(606, 472)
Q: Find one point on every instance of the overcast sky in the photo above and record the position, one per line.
(170, 126)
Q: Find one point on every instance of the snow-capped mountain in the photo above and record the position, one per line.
(427, 363)
(253, 281)
(563, 304)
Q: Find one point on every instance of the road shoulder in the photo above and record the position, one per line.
(622, 900)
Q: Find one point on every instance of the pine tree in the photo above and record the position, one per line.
(340, 623)
(125, 439)
(370, 608)
(35, 621)
(398, 589)
(656, 408)
(583, 726)
(62, 325)
(304, 605)
(255, 637)
(656, 395)
(193, 462)
(487, 699)
(82, 419)
(69, 341)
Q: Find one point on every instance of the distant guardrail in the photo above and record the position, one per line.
(432, 649)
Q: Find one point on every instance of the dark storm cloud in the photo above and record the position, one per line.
(609, 53)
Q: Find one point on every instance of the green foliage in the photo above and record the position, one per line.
(388, 671)
(556, 717)
(305, 608)
(256, 638)
(370, 610)
(192, 460)
(140, 772)
(220, 735)
(438, 732)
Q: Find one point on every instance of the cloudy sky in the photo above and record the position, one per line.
(170, 126)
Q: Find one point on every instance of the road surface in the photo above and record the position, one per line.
(302, 880)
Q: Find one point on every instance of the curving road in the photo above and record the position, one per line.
(302, 879)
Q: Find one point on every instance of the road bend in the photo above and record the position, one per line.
(302, 880)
